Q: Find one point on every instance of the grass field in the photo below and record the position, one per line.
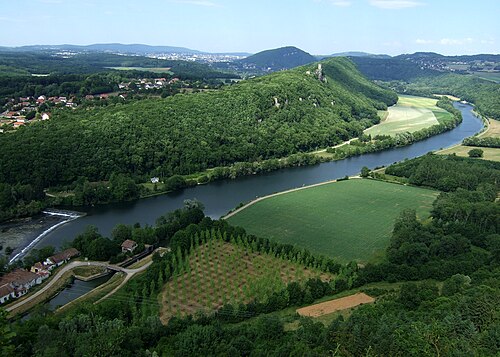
(409, 114)
(144, 69)
(219, 272)
(492, 154)
(347, 220)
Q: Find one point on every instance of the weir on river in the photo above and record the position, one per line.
(221, 196)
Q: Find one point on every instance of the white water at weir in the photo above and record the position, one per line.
(69, 216)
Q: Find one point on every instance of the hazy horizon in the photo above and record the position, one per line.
(320, 27)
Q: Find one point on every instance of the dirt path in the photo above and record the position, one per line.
(333, 147)
(229, 215)
(328, 307)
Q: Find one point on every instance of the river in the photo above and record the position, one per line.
(221, 196)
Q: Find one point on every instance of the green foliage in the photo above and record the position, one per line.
(484, 94)
(488, 142)
(236, 124)
(391, 69)
(92, 62)
(447, 173)
(278, 59)
(475, 153)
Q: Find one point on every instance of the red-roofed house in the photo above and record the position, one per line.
(60, 258)
(6, 292)
(128, 246)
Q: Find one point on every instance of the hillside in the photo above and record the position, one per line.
(358, 54)
(267, 117)
(390, 69)
(278, 59)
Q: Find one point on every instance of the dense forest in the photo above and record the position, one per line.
(264, 118)
(390, 69)
(446, 302)
(409, 77)
(484, 94)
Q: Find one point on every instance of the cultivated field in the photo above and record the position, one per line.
(409, 114)
(492, 154)
(217, 273)
(328, 307)
(347, 220)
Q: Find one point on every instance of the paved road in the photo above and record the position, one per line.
(130, 273)
(68, 267)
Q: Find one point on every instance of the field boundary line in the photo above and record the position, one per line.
(229, 215)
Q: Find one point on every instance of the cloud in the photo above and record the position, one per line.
(455, 41)
(423, 42)
(341, 3)
(395, 4)
(205, 3)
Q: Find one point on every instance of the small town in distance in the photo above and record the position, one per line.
(249, 179)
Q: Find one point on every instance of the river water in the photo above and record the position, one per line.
(221, 196)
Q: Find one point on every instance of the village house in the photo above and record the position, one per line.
(45, 116)
(128, 246)
(41, 270)
(6, 293)
(17, 283)
(60, 258)
(18, 124)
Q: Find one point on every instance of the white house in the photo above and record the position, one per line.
(6, 293)
(45, 116)
(60, 258)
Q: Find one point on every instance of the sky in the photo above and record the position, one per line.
(319, 27)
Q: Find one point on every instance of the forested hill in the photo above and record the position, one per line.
(266, 117)
(278, 59)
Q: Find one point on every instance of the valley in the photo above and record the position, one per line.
(278, 203)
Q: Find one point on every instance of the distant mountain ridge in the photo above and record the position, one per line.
(110, 47)
(130, 49)
(278, 59)
(358, 54)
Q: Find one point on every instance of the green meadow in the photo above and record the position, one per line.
(346, 220)
(410, 114)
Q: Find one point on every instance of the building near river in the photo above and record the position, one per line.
(17, 283)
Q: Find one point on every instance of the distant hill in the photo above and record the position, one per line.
(278, 59)
(110, 47)
(433, 57)
(389, 69)
(358, 54)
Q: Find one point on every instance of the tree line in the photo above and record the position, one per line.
(262, 119)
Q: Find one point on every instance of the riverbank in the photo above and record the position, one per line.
(14, 235)
(220, 196)
(336, 152)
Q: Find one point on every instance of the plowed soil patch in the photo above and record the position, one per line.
(328, 307)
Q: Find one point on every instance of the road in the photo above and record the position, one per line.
(72, 265)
